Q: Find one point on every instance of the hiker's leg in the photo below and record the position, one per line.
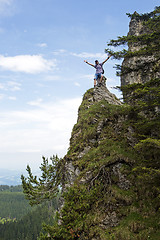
(101, 78)
(95, 79)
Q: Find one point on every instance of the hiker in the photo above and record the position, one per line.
(99, 70)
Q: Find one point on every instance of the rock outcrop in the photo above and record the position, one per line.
(142, 66)
(95, 141)
(111, 170)
(92, 97)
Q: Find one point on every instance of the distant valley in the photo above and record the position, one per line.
(11, 177)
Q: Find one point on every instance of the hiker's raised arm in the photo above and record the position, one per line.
(106, 59)
(89, 63)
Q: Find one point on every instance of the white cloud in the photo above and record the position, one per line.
(44, 127)
(1, 96)
(1, 86)
(14, 86)
(52, 78)
(90, 55)
(36, 102)
(77, 84)
(10, 86)
(12, 98)
(8, 2)
(42, 45)
(5, 3)
(59, 52)
(87, 76)
(83, 55)
(27, 63)
(6, 7)
(112, 82)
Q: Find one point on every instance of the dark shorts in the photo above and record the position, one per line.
(97, 75)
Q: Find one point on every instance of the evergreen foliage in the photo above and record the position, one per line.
(149, 42)
(85, 203)
(7, 188)
(30, 225)
(117, 193)
(13, 204)
(18, 220)
(47, 186)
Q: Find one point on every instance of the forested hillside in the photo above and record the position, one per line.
(18, 220)
(13, 204)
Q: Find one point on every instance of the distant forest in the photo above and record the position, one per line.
(18, 220)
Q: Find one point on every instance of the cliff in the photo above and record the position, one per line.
(97, 162)
(87, 133)
(110, 176)
(141, 68)
(108, 192)
(111, 170)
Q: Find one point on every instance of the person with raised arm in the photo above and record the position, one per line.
(99, 70)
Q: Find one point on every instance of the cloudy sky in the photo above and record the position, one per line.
(43, 44)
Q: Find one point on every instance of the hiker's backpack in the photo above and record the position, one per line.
(102, 68)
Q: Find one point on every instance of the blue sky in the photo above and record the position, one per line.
(43, 45)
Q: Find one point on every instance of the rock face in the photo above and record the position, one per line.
(106, 190)
(107, 169)
(142, 66)
(101, 93)
(96, 95)
(95, 128)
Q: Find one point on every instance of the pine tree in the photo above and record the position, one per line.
(48, 185)
(148, 42)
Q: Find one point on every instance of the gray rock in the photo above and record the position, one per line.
(123, 182)
(86, 149)
(110, 220)
(102, 92)
(142, 66)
